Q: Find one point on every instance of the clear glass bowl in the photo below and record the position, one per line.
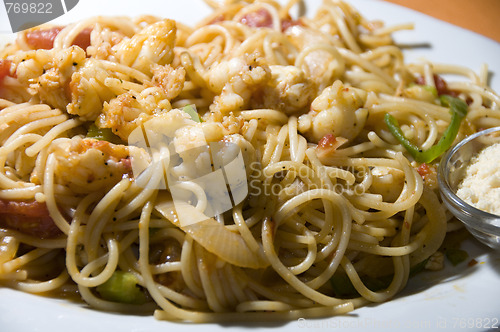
(483, 225)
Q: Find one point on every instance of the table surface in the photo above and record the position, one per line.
(481, 16)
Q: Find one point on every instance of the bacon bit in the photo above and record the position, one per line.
(472, 263)
(44, 38)
(441, 86)
(4, 70)
(288, 23)
(28, 217)
(423, 170)
(258, 19)
(127, 165)
(428, 174)
(328, 141)
(328, 145)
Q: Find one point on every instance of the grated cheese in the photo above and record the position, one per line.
(481, 184)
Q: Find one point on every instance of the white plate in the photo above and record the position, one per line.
(456, 298)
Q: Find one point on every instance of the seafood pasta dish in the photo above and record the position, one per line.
(255, 165)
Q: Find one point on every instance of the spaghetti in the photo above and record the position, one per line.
(334, 200)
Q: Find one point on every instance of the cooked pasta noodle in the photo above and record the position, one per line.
(331, 193)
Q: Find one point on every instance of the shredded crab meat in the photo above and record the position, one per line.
(338, 110)
(321, 65)
(48, 73)
(153, 45)
(235, 81)
(435, 262)
(84, 164)
(289, 90)
(89, 90)
(129, 110)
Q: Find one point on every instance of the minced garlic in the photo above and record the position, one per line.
(481, 184)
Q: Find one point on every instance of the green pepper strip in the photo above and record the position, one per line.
(193, 113)
(103, 134)
(456, 256)
(458, 110)
(122, 287)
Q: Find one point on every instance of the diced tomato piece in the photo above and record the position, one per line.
(441, 85)
(4, 68)
(259, 19)
(4, 71)
(44, 38)
(83, 38)
(28, 217)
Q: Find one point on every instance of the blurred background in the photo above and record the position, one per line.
(481, 16)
